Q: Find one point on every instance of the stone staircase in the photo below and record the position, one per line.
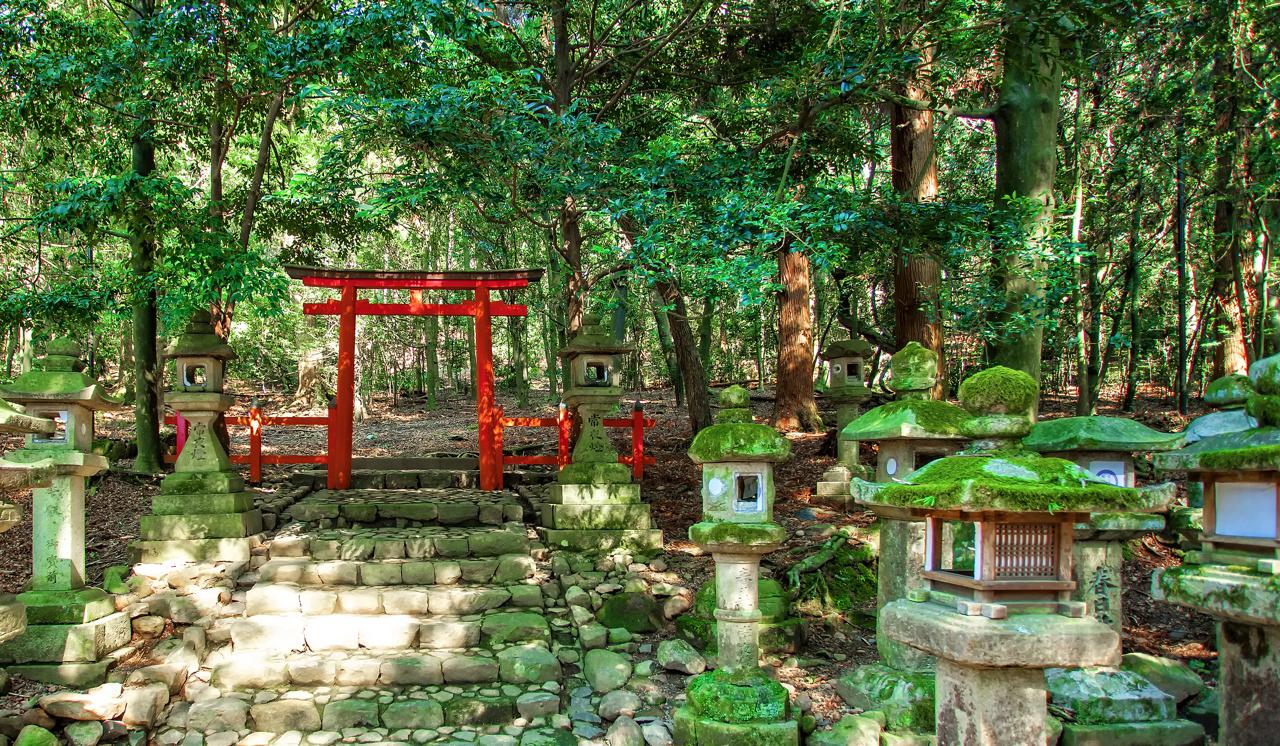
(404, 613)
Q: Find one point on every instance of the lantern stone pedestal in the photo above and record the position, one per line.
(737, 702)
(594, 506)
(1235, 575)
(203, 512)
(70, 628)
(14, 477)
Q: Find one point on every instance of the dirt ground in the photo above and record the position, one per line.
(116, 500)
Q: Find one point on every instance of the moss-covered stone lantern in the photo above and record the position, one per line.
(203, 512)
(594, 506)
(737, 701)
(847, 389)
(996, 622)
(70, 627)
(1106, 446)
(1235, 575)
(1228, 396)
(14, 477)
(911, 432)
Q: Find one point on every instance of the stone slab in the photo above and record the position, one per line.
(201, 503)
(693, 730)
(906, 699)
(593, 494)
(635, 516)
(73, 675)
(1162, 733)
(201, 526)
(180, 483)
(195, 550)
(78, 606)
(584, 540)
(69, 643)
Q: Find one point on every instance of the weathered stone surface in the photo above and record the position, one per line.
(34, 735)
(470, 669)
(509, 627)
(283, 715)
(528, 664)
(104, 702)
(606, 670)
(990, 705)
(537, 704)
(69, 643)
(625, 732)
(906, 699)
(678, 655)
(83, 733)
(851, 730)
(414, 714)
(221, 714)
(1172, 677)
(619, 702)
(350, 713)
(1162, 733)
(1099, 696)
(634, 611)
(144, 704)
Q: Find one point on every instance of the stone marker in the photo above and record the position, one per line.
(997, 621)
(737, 701)
(1233, 576)
(70, 628)
(594, 506)
(203, 513)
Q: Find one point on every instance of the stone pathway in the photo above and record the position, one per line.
(388, 616)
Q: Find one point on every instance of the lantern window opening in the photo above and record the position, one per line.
(925, 457)
(1245, 510)
(194, 374)
(748, 493)
(1026, 551)
(836, 368)
(855, 370)
(60, 434)
(595, 374)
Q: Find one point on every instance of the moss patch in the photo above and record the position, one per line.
(999, 390)
(1228, 391)
(1098, 434)
(734, 441)
(741, 697)
(909, 418)
(724, 532)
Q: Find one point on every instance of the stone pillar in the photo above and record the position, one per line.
(990, 705)
(1248, 684)
(737, 610)
(13, 477)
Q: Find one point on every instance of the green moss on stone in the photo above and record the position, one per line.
(747, 534)
(999, 390)
(908, 418)
(735, 396)
(739, 697)
(1265, 375)
(1228, 391)
(914, 368)
(1265, 408)
(1098, 434)
(739, 442)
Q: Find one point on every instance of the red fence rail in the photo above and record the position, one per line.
(563, 424)
(257, 422)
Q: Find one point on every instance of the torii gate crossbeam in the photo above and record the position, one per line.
(481, 308)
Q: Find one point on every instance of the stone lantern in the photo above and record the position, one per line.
(1227, 396)
(911, 432)
(1235, 575)
(996, 622)
(203, 513)
(737, 701)
(1105, 446)
(14, 477)
(847, 389)
(594, 505)
(70, 627)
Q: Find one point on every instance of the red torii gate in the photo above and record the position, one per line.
(481, 308)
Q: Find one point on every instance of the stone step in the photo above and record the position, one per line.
(371, 704)
(400, 543)
(507, 568)
(415, 600)
(401, 507)
(603, 540)
(277, 632)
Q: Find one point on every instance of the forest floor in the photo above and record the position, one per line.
(409, 427)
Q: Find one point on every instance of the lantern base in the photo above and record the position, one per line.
(77, 606)
(13, 617)
(737, 707)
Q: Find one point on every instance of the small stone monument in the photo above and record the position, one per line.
(203, 512)
(14, 477)
(1106, 447)
(1235, 575)
(70, 627)
(594, 506)
(1228, 396)
(847, 390)
(995, 622)
(911, 432)
(737, 702)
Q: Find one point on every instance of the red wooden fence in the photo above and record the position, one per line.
(257, 423)
(563, 424)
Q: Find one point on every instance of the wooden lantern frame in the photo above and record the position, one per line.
(1262, 547)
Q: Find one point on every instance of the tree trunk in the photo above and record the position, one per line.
(1180, 259)
(1026, 122)
(795, 407)
(916, 274)
(704, 333)
(1231, 353)
(697, 398)
(668, 348)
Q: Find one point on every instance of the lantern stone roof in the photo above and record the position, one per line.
(1229, 391)
(59, 377)
(1002, 401)
(1011, 482)
(1257, 448)
(735, 437)
(846, 348)
(19, 476)
(913, 370)
(1098, 434)
(199, 340)
(908, 418)
(594, 338)
(15, 420)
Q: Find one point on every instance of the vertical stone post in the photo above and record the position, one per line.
(14, 477)
(70, 627)
(737, 701)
